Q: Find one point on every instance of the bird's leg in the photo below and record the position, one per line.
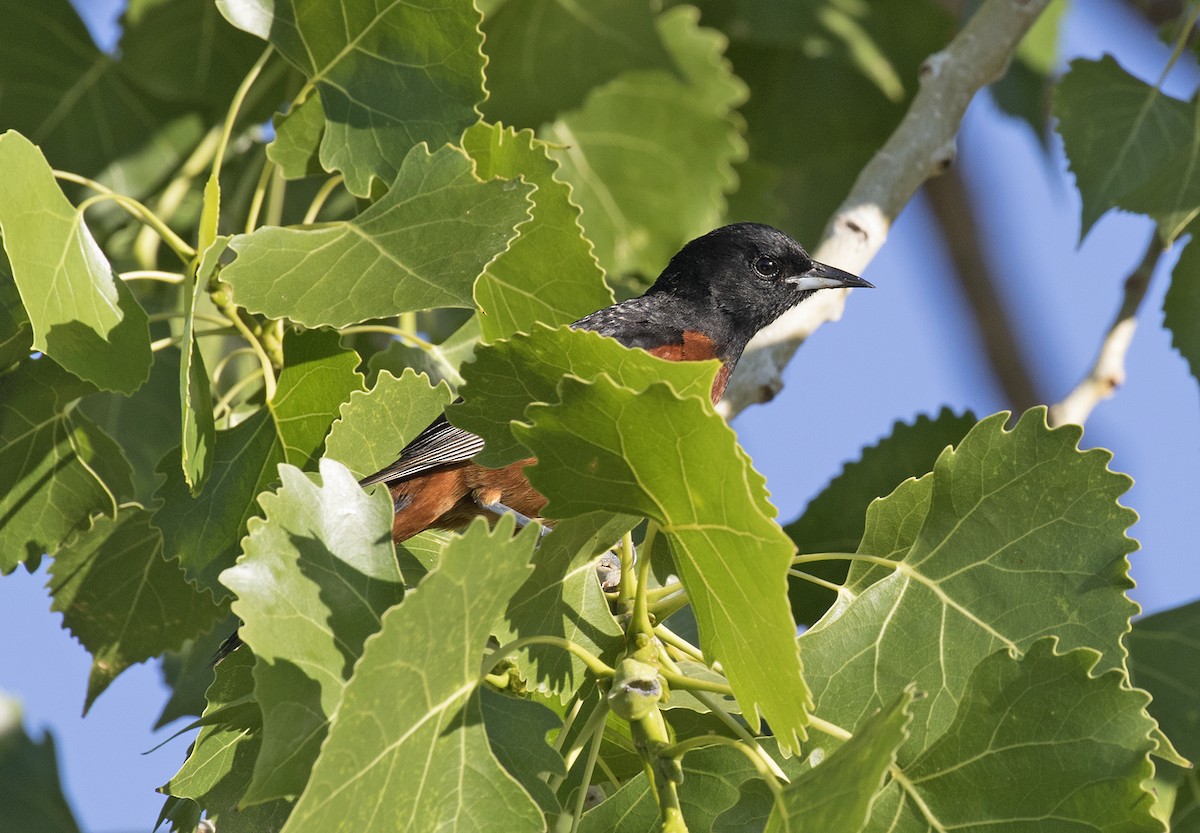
(498, 508)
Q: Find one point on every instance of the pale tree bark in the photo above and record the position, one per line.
(920, 147)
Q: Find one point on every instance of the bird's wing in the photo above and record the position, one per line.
(440, 444)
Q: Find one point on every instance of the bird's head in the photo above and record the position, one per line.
(752, 272)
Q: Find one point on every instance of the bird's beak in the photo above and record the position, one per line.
(821, 276)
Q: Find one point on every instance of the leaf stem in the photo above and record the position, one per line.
(588, 768)
(232, 312)
(820, 582)
(655, 593)
(678, 750)
(593, 663)
(223, 404)
(402, 335)
(686, 683)
(167, 341)
(626, 588)
(641, 623)
(260, 193)
(593, 726)
(319, 200)
(134, 208)
(225, 360)
(662, 610)
(810, 557)
(676, 641)
(234, 106)
(151, 275)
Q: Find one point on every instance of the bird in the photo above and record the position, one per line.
(714, 295)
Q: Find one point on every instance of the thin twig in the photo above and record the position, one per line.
(1108, 371)
(920, 147)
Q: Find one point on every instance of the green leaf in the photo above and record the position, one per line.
(390, 76)
(650, 156)
(203, 532)
(507, 376)
(16, 334)
(75, 102)
(146, 424)
(832, 521)
(374, 426)
(516, 732)
(648, 452)
(545, 55)
(563, 598)
(1015, 535)
(407, 747)
(1164, 659)
(1000, 762)
(183, 50)
(440, 363)
(219, 765)
(295, 148)
(189, 672)
(421, 245)
(836, 796)
(1025, 89)
(316, 576)
(711, 779)
(195, 395)
(31, 796)
(82, 316)
(1181, 307)
(1118, 132)
(122, 600)
(61, 468)
(548, 274)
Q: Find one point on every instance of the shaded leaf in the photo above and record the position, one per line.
(82, 316)
(390, 76)
(441, 362)
(16, 334)
(421, 245)
(563, 598)
(836, 797)
(1015, 535)
(317, 573)
(61, 467)
(1164, 659)
(493, 398)
(832, 521)
(295, 148)
(189, 672)
(407, 747)
(548, 273)
(183, 49)
(1000, 762)
(122, 600)
(222, 757)
(649, 452)
(545, 55)
(1181, 307)
(31, 795)
(650, 156)
(75, 103)
(203, 532)
(1025, 89)
(1118, 132)
(516, 732)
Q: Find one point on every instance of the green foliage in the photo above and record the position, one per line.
(188, 391)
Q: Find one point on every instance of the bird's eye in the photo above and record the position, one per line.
(768, 267)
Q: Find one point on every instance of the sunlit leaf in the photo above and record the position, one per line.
(407, 748)
(317, 573)
(548, 274)
(390, 76)
(422, 245)
(82, 316)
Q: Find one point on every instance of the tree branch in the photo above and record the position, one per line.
(921, 146)
(956, 216)
(1108, 371)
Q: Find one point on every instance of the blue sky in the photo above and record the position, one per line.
(844, 390)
